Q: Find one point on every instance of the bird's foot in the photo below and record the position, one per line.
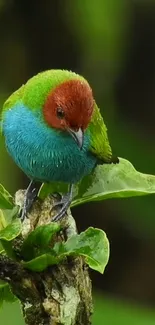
(30, 197)
(64, 203)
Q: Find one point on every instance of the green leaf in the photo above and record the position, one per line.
(6, 201)
(11, 231)
(7, 234)
(113, 181)
(92, 244)
(11, 214)
(1, 249)
(3, 222)
(6, 216)
(107, 181)
(5, 293)
(40, 263)
(38, 240)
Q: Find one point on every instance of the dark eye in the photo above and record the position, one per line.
(60, 113)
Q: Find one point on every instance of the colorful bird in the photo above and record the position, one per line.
(54, 131)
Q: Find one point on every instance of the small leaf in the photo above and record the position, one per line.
(6, 216)
(7, 248)
(92, 244)
(1, 249)
(6, 201)
(40, 263)
(5, 293)
(3, 222)
(38, 240)
(11, 231)
(7, 231)
(11, 214)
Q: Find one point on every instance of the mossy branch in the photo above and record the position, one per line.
(61, 294)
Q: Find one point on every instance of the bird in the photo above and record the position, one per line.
(54, 132)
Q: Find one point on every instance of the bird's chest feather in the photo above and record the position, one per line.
(43, 153)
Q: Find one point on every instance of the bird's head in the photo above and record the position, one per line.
(69, 107)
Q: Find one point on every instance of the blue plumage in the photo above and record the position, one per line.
(43, 153)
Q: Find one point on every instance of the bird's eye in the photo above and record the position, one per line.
(60, 113)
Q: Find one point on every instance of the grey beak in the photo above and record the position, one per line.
(78, 136)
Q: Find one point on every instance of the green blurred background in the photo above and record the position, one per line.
(111, 43)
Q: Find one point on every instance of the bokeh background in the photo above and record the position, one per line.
(111, 43)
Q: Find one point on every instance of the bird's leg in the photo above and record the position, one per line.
(64, 203)
(30, 196)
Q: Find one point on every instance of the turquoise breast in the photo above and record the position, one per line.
(43, 153)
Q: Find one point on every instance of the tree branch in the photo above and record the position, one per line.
(62, 293)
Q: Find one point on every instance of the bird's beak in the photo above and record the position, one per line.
(78, 136)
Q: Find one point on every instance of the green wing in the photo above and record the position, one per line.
(100, 146)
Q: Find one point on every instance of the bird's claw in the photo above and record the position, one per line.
(23, 214)
(30, 196)
(64, 203)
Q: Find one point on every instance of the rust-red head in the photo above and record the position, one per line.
(69, 107)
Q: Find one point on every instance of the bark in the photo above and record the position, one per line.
(62, 293)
